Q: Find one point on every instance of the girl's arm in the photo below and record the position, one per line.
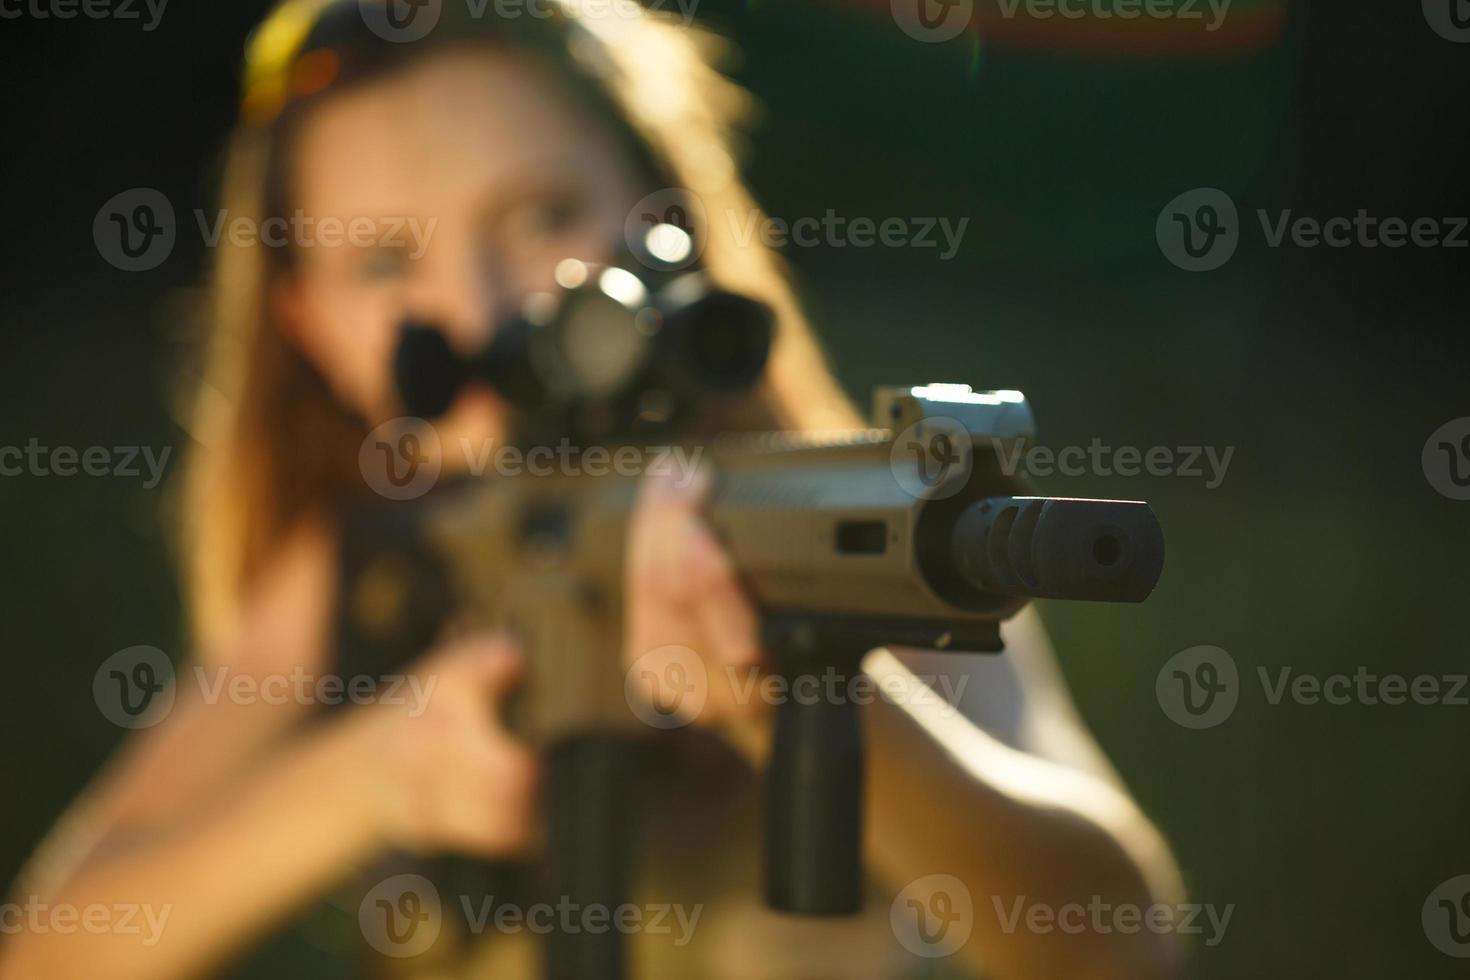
(1045, 827)
(211, 735)
(1020, 831)
(226, 815)
(445, 777)
(195, 891)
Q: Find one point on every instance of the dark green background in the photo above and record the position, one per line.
(1324, 550)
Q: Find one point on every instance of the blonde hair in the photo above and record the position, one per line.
(272, 444)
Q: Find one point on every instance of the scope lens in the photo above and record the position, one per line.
(599, 344)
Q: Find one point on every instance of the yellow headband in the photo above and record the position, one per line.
(273, 73)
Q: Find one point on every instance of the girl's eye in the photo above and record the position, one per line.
(383, 263)
(546, 217)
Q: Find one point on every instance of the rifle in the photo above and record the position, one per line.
(909, 533)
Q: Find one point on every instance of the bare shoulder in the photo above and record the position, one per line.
(165, 769)
(285, 615)
(1052, 728)
(1018, 697)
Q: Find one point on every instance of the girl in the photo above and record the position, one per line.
(521, 139)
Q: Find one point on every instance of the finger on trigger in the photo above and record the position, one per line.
(725, 612)
(495, 662)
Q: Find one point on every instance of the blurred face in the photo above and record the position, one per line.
(468, 176)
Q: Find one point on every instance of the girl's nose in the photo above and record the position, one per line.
(462, 288)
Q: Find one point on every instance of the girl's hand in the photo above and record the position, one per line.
(692, 634)
(453, 777)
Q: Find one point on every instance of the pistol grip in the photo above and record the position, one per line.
(814, 783)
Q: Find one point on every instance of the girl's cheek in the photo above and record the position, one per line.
(354, 350)
(375, 330)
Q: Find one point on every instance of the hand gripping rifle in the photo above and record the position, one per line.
(907, 533)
